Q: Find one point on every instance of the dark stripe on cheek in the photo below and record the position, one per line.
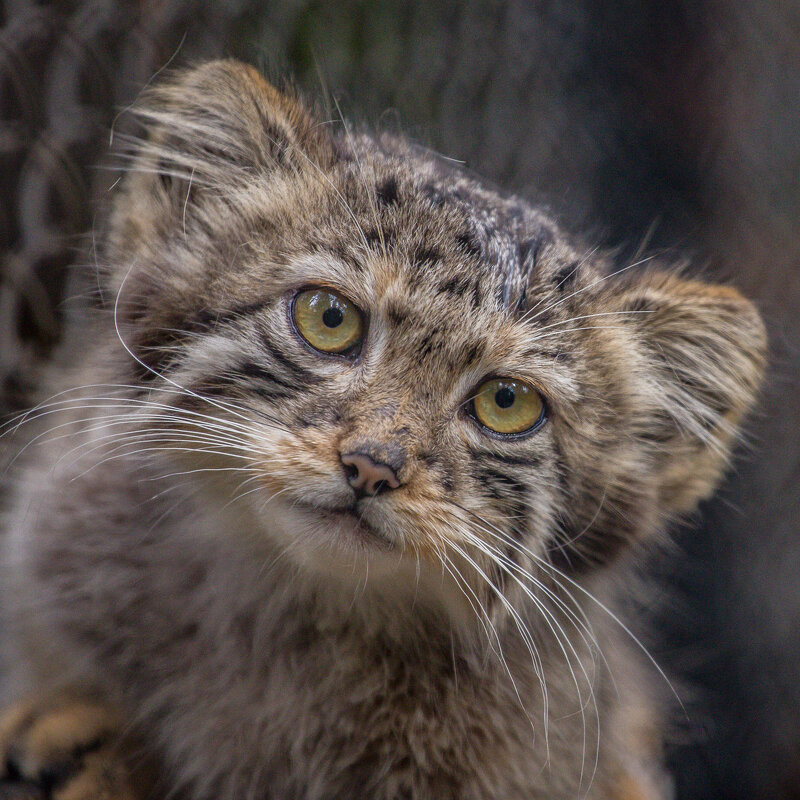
(566, 276)
(301, 373)
(210, 386)
(207, 320)
(147, 373)
(503, 458)
(439, 470)
(156, 354)
(561, 472)
(249, 369)
(501, 486)
(231, 385)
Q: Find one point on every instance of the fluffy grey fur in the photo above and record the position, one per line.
(185, 544)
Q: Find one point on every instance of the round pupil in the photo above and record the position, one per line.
(332, 317)
(504, 397)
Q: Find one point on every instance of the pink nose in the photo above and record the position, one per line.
(368, 476)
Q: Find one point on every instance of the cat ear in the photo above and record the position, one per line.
(213, 128)
(225, 114)
(704, 351)
(215, 141)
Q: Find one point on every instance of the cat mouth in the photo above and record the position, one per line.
(346, 522)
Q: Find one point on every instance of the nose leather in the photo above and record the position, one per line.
(370, 476)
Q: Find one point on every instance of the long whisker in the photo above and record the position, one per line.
(206, 426)
(591, 316)
(635, 639)
(152, 371)
(136, 438)
(51, 405)
(529, 316)
(493, 638)
(556, 573)
(509, 568)
(577, 615)
(524, 633)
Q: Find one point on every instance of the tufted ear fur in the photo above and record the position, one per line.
(688, 359)
(207, 132)
(224, 118)
(703, 355)
(218, 144)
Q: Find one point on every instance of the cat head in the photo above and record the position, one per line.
(403, 361)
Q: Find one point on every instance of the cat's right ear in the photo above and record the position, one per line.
(213, 128)
(214, 144)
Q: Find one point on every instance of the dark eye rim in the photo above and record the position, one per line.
(353, 353)
(469, 409)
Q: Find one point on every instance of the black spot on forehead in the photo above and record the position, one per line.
(396, 314)
(430, 343)
(379, 238)
(468, 242)
(344, 254)
(455, 286)
(473, 351)
(386, 191)
(425, 255)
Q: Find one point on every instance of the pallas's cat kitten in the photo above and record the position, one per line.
(334, 499)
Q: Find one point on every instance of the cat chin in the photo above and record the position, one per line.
(327, 535)
(338, 551)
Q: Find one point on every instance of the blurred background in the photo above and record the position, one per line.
(674, 126)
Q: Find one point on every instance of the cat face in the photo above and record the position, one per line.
(400, 361)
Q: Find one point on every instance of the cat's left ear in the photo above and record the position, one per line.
(702, 357)
(224, 117)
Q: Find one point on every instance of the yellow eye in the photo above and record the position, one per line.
(508, 406)
(327, 321)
